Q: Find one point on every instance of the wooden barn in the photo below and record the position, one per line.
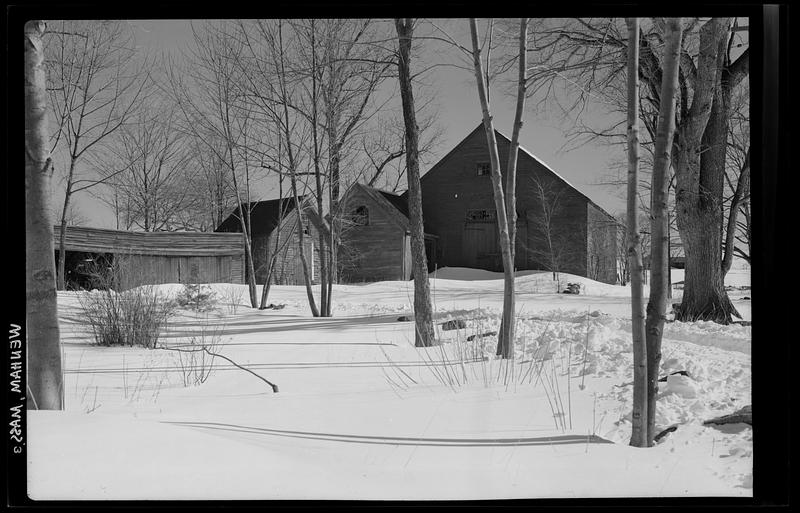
(151, 257)
(558, 226)
(375, 244)
(275, 228)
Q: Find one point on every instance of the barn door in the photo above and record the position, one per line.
(481, 249)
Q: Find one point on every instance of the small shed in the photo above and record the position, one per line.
(151, 257)
(275, 228)
(375, 242)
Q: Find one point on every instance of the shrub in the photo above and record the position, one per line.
(132, 317)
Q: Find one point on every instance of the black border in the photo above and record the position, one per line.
(771, 353)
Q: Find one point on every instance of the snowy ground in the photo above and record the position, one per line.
(362, 414)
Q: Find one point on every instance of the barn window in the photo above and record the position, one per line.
(484, 169)
(360, 216)
(481, 216)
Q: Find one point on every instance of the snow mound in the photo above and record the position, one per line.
(531, 281)
(469, 274)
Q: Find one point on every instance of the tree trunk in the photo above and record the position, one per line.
(62, 236)
(423, 310)
(742, 190)
(248, 247)
(700, 180)
(301, 243)
(505, 342)
(45, 379)
(639, 416)
(505, 349)
(659, 229)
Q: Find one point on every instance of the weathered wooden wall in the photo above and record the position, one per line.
(289, 266)
(452, 187)
(377, 251)
(163, 257)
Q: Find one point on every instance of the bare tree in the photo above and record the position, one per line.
(96, 85)
(74, 216)
(423, 310)
(700, 170)
(45, 379)
(585, 56)
(737, 178)
(639, 415)
(155, 157)
(505, 201)
(659, 256)
(210, 190)
(214, 111)
(555, 242)
(384, 146)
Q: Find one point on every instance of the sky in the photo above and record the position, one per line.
(459, 112)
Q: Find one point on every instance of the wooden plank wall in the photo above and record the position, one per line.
(156, 269)
(164, 257)
(453, 187)
(374, 252)
(289, 267)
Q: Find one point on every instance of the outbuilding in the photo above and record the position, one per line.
(375, 243)
(139, 258)
(275, 226)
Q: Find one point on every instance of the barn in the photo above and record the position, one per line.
(375, 243)
(275, 229)
(150, 257)
(558, 227)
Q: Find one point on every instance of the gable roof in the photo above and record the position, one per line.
(399, 202)
(501, 135)
(264, 215)
(391, 203)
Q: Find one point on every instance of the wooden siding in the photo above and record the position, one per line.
(163, 257)
(453, 186)
(288, 267)
(99, 240)
(377, 251)
(137, 270)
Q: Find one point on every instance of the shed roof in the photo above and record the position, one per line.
(103, 240)
(264, 216)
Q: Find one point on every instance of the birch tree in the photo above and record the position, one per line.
(44, 373)
(659, 257)
(639, 416)
(505, 201)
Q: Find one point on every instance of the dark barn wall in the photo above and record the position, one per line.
(452, 187)
(374, 252)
